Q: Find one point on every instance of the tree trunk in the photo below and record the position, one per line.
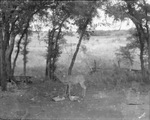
(3, 67)
(148, 45)
(0, 64)
(147, 35)
(25, 54)
(77, 48)
(56, 48)
(49, 55)
(83, 29)
(3, 60)
(46, 69)
(141, 41)
(0, 55)
(149, 60)
(142, 55)
(16, 56)
(1, 39)
(142, 62)
(3, 72)
(8, 55)
(18, 48)
(75, 54)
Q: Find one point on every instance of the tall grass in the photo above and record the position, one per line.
(38, 71)
(113, 78)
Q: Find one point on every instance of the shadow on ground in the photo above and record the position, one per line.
(35, 102)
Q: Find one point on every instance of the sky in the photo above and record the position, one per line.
(120, 25)
(110, 24)
(148, 1)
(105, 23)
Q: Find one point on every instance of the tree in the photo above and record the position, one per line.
(129, 51)
(57, 20)
(127, 54)
(140, 18)
(15, 19)
(83, 19)
(25, 51)
(138, 12)
(136, 44)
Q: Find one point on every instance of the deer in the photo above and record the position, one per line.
(70, 80)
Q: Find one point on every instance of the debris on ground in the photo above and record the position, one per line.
(74, 98)
(58, 98)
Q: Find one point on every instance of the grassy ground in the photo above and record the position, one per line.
(35, 101)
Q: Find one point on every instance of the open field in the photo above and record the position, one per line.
(99, 48)
(109, 91)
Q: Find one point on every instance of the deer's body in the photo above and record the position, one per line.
(70, 80)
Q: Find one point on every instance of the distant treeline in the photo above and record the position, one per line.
(99, 33)
(110, 33)
(46, 32)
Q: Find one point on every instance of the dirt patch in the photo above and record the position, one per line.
(35, 102)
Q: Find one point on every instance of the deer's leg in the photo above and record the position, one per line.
(66, 90)
(69, 89)
(84, 89)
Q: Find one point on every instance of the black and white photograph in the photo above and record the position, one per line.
(74, 59)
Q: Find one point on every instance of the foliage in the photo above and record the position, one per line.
(126, 53)
(58, 21)
(138, 12)
(120, 10)
(134, 42)
(15, 20)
